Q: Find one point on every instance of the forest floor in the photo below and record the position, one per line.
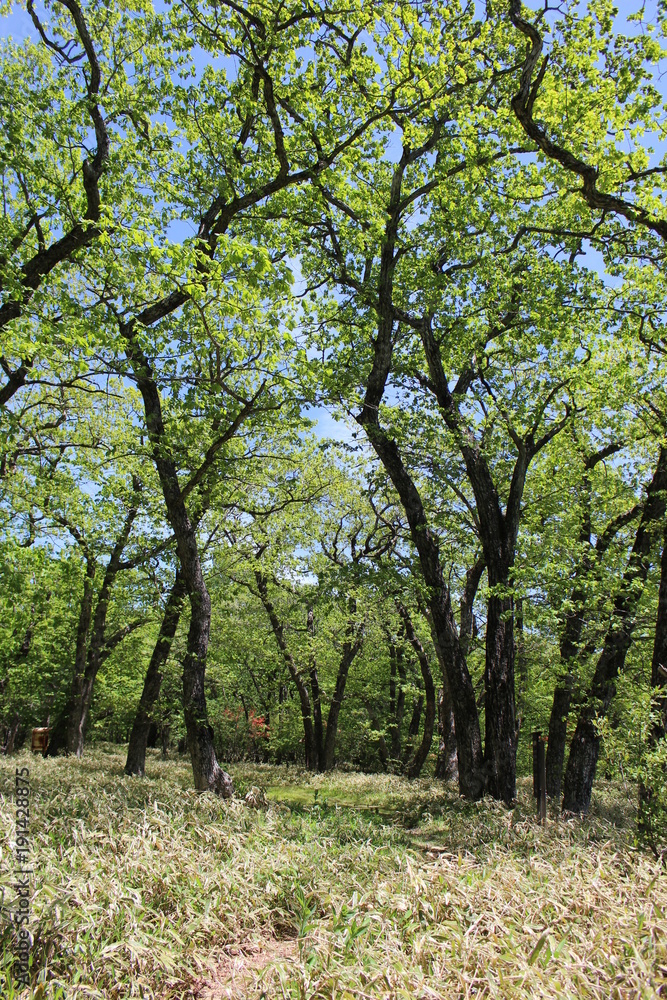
(348, 887)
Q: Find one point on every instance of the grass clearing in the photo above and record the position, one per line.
(349, 886)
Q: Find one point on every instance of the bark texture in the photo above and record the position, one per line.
(500, 711)
(659, 659)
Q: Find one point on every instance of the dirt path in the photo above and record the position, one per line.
(246, 971)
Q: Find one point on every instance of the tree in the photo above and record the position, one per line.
(349, 533)
(259, 155)
(585, 748)
(421, 332)
(60, 198)
(579, 607)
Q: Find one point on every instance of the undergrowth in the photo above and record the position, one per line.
(388, 888)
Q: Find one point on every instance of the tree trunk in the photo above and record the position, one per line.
(413, 769)
(310, 749)
(64, 733)
(136, 751)
(413, 729)
(521, 667)
(383, 752)
(472, 780)
(317, 697)
(659, 661)
(560, 709)
(467, 608)
(447, 765)
(585, 748)
(415, 718)
(468, 736)
(396, 698)
(11, 735)
(573, 622)
(318, 725)
(500, 714)
(95, 656)
(207, 773)
(658, 730)
(351, 647)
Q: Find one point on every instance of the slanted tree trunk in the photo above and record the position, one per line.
(351, 646)
(310, 748)
(96, 652)
(136, 751)
(207, 773)
(11, 735)
(425, 540)
(468, 737)
(414, 766)
(63, 736)
(571, 651)
(498, 531)
(658, 728)
(573, 621)
(467, 607)
(585, 747)
(659, 661)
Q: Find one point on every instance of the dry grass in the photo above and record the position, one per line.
(364, 886)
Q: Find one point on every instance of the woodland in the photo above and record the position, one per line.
(333, 395)
(333, 462)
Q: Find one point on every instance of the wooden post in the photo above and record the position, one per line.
(540, 775)
(542, 768)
